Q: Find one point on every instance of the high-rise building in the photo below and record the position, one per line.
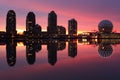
(30, 22)
(72, 27)
(61, 30)
(52, 23)
(11, 23)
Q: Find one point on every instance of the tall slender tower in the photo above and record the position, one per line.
(30, 22)
(72, 27)
(11, 24)
(52, 23)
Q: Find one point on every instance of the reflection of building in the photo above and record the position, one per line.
(11, 53)
(32, 46)
(105, 50)
(61, 45)
(30, 22)
(72, 48)
(72, 27)
(30, 52)
(52, 53)
(61, 30)
(52, 23)
(2, 35)
(105, 26)
(37, 46)
(11, 23)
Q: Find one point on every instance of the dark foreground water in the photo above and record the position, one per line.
(60, 60)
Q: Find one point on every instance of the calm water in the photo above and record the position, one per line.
(60, 60)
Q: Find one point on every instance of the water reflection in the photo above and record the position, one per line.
(105, 50)
(11, 52)
(72, 48)
(34, 45)
(52, 52)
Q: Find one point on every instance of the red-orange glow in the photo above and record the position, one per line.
(20, 31)
(20, 44)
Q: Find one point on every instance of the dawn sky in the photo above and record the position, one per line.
(88, 13)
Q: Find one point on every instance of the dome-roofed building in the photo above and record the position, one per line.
(105, 26)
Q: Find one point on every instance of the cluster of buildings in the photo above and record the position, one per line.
(105, 28)
(33, 30)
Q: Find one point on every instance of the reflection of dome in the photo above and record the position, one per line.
(105, 26)
(105, 50)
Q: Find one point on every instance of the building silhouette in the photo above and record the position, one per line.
(30, 22)
(11, 24)
(105, 26)
(61, 30)
(52, 23)
(37, 30)
(72, 48)
(72, 27)
(11, 52)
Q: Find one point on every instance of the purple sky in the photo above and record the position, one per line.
(88, 13)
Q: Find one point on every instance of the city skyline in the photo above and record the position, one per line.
(88, 16)
(33, 30)
(59, 39)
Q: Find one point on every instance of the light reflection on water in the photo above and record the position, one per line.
(59, 60)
